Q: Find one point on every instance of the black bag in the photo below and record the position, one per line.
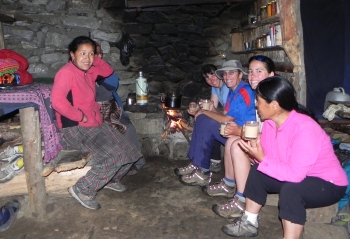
(126, 45)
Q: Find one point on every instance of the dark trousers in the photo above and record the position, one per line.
(131, 134)
(216, 151)
(205, 132)
(294, 198)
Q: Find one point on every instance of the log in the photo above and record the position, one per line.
(66, 160)
(56, 183)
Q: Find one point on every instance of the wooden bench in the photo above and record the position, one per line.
(61, 173)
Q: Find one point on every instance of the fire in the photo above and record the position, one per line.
(176, 123)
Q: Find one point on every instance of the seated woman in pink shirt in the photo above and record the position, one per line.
(79, 119)
(295, 158)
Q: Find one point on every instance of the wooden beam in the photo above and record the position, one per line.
(33, 162)
(155, 3)
(2, 42)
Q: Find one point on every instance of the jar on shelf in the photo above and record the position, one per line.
(273, 8)
(263, 13)
(258, 43)
(268, 10)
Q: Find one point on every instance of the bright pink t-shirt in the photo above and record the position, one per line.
(297, 149)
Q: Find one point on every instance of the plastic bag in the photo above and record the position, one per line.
(126, 45)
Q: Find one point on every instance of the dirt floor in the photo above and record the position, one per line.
(156, 205)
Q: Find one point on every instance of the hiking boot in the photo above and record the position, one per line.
(234, 208)
(241, 228)
(10, 170)
(185, 170)
(116, 186)
(86, 201)
(215, 166)
(219, 189)
(10, 153)
(196, 178)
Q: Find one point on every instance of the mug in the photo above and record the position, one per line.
(222, 128)
(205, 104)
(251, 129)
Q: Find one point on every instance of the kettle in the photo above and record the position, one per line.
(338, 94)
(171, 100)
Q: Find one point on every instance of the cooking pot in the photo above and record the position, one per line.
(337, 95)
(171, 100)
(131, 99)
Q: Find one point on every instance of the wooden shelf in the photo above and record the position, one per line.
(270, 20)
(272, 48)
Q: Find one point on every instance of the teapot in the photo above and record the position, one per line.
(171, 100)
(338, 94)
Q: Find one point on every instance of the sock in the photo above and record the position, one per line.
(204, 170)
(215, 161)
(240, 196)
(230, 182)
(251, 217)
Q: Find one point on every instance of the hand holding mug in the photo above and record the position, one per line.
(250, 132)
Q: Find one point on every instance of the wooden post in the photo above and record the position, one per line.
(33, 162)
(2, 42)
(293, 44)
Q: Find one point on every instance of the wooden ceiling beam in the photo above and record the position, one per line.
(157, 3)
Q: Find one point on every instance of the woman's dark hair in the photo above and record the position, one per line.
(208, 69)
(268, 63)
(277, 88)
(74, 45)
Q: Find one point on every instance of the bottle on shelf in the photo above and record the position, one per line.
(273, 8)
(278, 35)
(263, 13)
(268, 10)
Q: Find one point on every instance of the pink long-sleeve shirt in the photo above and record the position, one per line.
(297, 149)
(81, 85)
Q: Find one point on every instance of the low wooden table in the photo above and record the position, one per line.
(25, 98)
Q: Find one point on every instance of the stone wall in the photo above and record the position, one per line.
(171, 46)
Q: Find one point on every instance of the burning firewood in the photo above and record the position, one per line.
(185, 125)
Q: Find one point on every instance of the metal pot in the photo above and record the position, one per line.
(337, 95)
(131, 99)
(171, 100)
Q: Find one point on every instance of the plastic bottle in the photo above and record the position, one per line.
(278, 37)
(141, 90)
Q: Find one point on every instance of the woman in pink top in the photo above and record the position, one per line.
(295, 158)
(80, 122)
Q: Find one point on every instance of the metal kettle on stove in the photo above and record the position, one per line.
(337, 95)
